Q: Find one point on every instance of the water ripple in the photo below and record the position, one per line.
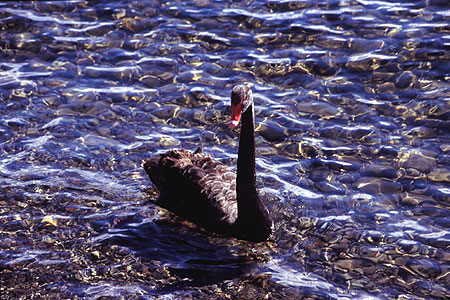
(352, 110)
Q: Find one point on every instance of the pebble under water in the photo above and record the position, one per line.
(352, 102)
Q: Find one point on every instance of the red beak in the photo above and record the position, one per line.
(236, 112)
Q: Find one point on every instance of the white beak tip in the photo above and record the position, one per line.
(233, 124)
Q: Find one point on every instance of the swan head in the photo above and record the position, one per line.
(241, 99)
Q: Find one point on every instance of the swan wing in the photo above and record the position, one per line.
(196, 187)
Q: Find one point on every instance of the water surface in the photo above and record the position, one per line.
(353, 147)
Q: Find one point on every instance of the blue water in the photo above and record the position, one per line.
(353, 147)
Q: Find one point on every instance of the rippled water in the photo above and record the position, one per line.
(353, 147)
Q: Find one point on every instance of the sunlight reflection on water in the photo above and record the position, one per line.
(352, 117)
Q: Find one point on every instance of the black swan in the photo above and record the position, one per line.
(194, 186)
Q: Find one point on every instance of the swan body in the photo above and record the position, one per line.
(198, 188)
(195, 186)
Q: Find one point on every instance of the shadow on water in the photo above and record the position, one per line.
(182, 249)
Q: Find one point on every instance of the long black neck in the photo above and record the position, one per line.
(253, 222)
(246, 174)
